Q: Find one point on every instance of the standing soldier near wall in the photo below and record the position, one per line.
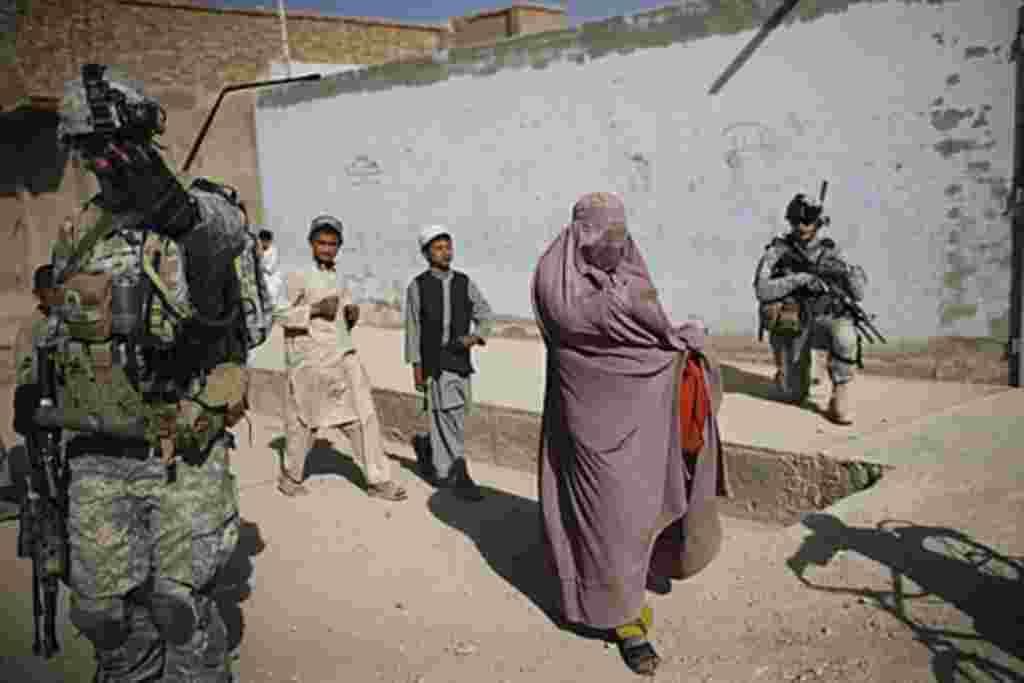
(801, 311)
(441, 305)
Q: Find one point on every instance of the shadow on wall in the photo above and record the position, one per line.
(32, 157)
(944, 564)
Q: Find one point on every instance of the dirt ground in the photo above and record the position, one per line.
(919, 578)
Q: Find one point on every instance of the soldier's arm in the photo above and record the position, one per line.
(855, 278)
(768, 288)
(482, 315)
(412, 324)
(174, 270)
(297, 315)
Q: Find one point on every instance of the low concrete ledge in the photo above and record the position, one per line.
(768, 485)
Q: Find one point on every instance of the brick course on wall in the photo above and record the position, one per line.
(529, 20)
(179, 44)
(183, 53)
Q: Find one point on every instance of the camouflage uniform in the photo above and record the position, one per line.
(145, 547)
(824, 326)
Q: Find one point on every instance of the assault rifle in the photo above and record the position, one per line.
(42, 533)
(836, 286)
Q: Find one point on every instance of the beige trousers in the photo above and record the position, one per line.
(363, 433)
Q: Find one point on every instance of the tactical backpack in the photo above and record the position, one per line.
(140, 360)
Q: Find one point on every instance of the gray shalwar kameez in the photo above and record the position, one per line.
(449, 398)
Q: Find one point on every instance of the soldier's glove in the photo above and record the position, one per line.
(811, 283)
(138, 171)
(833, 268)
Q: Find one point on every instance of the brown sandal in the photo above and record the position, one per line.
(291, 488)
(389, 490)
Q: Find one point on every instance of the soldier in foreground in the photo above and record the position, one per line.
(802, 311)
(127, 409)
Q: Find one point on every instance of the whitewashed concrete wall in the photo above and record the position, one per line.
(906, 108)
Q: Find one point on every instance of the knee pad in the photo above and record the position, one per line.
(103, 624)
(174, 616)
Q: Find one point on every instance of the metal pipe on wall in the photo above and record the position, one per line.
(284, 39)
(1016, 207)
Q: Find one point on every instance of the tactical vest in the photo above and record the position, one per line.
(453, 357)
(789, 263)
(133, 360)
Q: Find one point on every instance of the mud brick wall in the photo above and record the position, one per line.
(183, 53)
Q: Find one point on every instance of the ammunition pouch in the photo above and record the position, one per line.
(95, 396)
(87, 301)
(783, 318)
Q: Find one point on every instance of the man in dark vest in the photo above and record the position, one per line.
(442, 305)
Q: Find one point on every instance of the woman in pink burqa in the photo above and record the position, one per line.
(622, 499)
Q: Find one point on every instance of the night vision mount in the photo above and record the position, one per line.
(800, 211)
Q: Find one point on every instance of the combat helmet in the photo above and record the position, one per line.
(106, 103)
(801, 211)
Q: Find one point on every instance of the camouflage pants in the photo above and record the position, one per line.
(838, 336)
(144, 555)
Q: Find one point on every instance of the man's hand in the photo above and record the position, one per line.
(471, 340)
(812, 283)
(418, 380)
(351, 313)
(326, 309)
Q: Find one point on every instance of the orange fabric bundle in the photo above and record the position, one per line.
(694, 405)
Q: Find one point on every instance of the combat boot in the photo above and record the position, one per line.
(839, 408)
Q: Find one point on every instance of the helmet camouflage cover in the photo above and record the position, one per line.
(76, 116)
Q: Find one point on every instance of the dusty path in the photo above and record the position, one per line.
(345, 588)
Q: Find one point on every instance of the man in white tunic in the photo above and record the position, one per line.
(270, 263)
(327, 386)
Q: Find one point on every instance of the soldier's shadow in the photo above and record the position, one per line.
(738, 381)
(232, 587)
(942, 564)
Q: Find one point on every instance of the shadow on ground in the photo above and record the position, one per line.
(738, 381)
(233, 582)
(324, 459)
(943, 564)
(506, 529)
